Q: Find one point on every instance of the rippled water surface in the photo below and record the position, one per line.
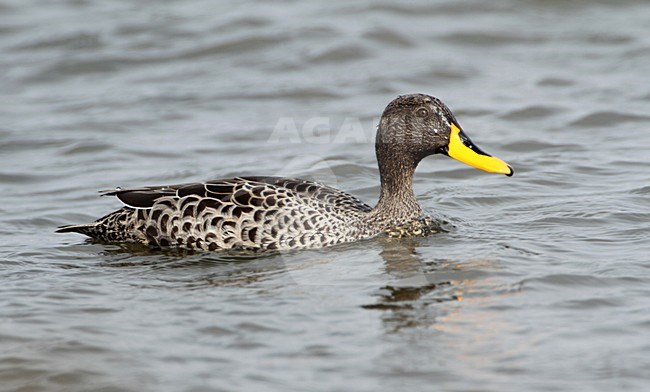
(541, 283)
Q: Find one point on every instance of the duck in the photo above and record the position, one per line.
(257, 213)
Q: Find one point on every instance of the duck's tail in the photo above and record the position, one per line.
(88, 229)
(117, 226)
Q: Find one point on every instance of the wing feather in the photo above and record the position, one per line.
(227, 190)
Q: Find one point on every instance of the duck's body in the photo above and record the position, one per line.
(258, 213)
(242, 213)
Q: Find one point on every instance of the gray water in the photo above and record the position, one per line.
(540, 283)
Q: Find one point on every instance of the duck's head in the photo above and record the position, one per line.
(417, 125)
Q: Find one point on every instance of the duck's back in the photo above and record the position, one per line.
(242, 213)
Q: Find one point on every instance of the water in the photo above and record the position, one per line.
(541, 283)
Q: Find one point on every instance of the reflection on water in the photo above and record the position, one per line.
(419, 285)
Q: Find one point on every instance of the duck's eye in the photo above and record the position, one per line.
(422, 112)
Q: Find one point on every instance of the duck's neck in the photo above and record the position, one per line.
(397, 203)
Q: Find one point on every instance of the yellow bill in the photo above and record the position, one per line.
(462, 149)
